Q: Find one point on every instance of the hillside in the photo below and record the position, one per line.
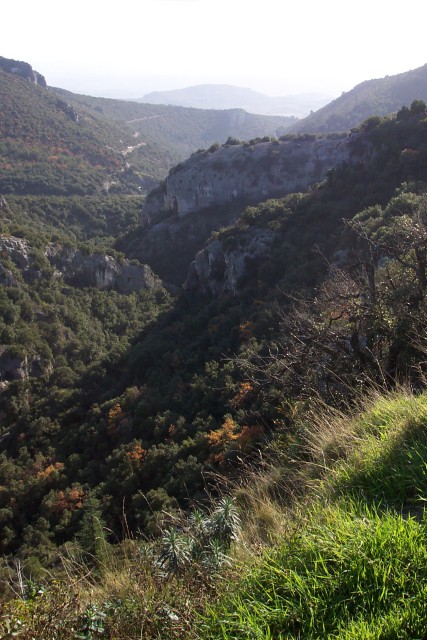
(230, 458)
(58, 139)
(370, 98)
(165, 135)
(49, 147)
(138, 396)
(223, 96)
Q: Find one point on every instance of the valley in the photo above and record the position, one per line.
(212, 367)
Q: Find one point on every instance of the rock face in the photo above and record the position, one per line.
(218, 269)
(210, 190)
(100, 271)
(251, 173)
(22, 69)
(15, 366)
(76, 268)
(17, 250)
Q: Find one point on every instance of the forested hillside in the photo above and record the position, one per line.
(370, 98)
(247, 430)
(163, 135)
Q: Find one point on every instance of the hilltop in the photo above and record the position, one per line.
(370, 98)
(224, 96)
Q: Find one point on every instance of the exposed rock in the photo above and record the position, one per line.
(251, 173)
(77, 268)
(218, 269)
(68, 109)
(22, 69)
(17, 366)
(17, 250)
(169, 246)
(209, 191)
(100, 271)
(3, 204)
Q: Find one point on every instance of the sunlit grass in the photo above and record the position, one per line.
(354, 562)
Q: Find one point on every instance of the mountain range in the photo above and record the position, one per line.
(223, 96)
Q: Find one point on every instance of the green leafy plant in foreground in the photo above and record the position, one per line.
(203, 541)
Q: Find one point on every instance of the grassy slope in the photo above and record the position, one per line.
(347, 559)
(352, 563)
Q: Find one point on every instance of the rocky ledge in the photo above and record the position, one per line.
(249, 172)
(74, 266)
(22, 69)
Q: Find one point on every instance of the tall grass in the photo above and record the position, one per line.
(349, 568)
(354, 562)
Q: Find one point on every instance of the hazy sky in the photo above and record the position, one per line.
(128, 48)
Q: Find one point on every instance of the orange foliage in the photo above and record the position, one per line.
(115, 416)
(244, 389)
(242, 440)
(71, 499)
(48, 471)
(171, 429)
(249, 435)
(223, 435)
(137, 453)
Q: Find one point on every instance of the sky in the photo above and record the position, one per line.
(128, 48)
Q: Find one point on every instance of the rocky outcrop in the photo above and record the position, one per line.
(100, 271)
(248, 172)
(22, 69)
(218, 268)
(75, 267)
(17, 250)
(17, 366)
(70, 111)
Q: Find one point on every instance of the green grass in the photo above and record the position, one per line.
(349, 572)
(355, 564)
(389, 466)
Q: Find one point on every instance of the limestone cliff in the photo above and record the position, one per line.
(218, 268)
(211, 189)
(100, 271)
(247, 172)
(22, 69)
(74, 266)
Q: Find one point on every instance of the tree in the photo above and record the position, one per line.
(91, 535)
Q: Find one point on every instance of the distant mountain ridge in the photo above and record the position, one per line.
(163, 135)
(377, 97)
(225, 96)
